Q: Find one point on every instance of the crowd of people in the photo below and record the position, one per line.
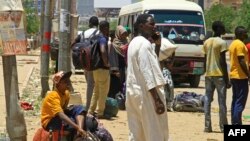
(133, 63)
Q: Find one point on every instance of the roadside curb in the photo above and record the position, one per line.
(26, 81)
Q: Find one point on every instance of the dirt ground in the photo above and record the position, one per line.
(183, 126)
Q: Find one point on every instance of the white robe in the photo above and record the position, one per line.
(143, 74)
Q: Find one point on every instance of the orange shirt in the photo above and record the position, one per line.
(53, 103)
(237, 48)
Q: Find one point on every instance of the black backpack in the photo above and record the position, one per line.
(85, 54)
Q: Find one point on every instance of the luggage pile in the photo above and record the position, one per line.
(188, 102)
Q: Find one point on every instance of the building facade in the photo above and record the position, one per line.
(85, 8)
(206, 4)
(234, 3)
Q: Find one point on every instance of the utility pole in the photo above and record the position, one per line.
(73, 21)
(45, 49)
(41, 21)
(73, 30)
(64, 60)
(15, 122)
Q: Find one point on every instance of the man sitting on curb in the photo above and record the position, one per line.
(54, 109)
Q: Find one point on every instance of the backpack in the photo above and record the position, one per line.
(85, 54)
(188, 102)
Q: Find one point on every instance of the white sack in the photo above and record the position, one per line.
(167, 49)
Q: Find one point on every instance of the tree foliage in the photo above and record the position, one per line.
(243, 17)
(32, 20)
(113, 24)
(220, 12)
(229, 16)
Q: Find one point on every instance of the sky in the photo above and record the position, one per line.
(110, 3)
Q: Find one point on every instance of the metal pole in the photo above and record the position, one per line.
(15, 122)
(64, 60)
(45, 50)
(41, 21)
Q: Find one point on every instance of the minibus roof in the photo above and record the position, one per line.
(160, 5)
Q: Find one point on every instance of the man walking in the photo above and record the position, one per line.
(145, 100)
(239, 74)
(216, 75)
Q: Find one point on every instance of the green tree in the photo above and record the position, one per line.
(220, 12)
(243, 15)
(113, 24)
(32, 20)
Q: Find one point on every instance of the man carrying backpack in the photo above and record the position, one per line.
(101, 74)
(93, 26)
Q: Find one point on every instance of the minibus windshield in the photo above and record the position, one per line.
(184, 27)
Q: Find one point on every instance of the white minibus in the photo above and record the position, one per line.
(181, 21)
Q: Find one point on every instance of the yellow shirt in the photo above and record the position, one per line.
(237, 48)
(53, 103)
(213, 47)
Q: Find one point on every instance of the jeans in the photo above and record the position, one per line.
(212, 82)
(240, 94)
(90, 87)
(101, 89)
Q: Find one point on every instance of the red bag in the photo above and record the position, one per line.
(41, 135)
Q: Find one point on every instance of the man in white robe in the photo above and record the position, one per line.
(145, 100)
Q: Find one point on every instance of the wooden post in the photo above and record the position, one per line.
(15, 122)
